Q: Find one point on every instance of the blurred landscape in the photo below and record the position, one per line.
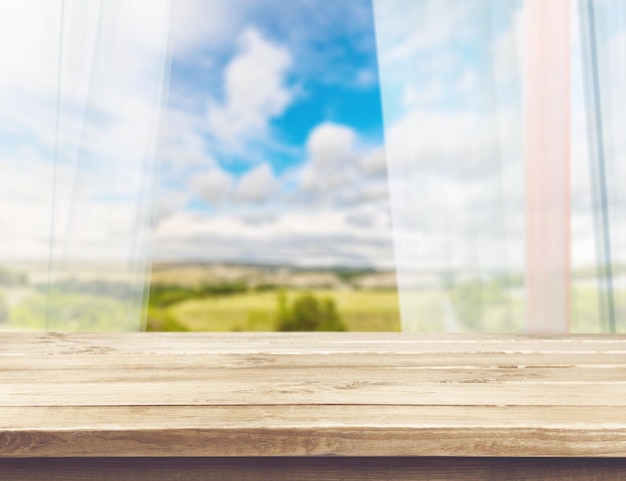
(233, 297)
(204, 297)
(222, 297)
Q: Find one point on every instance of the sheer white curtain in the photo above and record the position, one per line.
(452, 100)
(504, 165)
(80, 96)
(603, 49)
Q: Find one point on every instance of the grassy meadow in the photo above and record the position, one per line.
(258, 311)
(236, 298)
(227, 298)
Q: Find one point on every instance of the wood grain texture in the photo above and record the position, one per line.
(313, 469)
(366, 394)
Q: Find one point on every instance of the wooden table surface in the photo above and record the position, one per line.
(148, 396)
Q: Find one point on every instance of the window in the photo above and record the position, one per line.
(250, 132)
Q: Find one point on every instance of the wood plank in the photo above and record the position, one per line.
(185, 371)
(309, 417)
(312, 431)
(184, 343)
(301, 391)
(309, 394)
(442, 361)
(313, 469)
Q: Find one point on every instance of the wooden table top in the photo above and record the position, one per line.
(348, 394)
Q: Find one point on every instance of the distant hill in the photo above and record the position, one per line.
(194, 274)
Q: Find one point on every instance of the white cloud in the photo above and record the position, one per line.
(215, 186)
(255, 90)
(313, 237)
(341, 171)
(341, 217)
(168, 203)
(374, 163)
(257, 185)
(219, 187)
(181, 141)
(329, 143)
(332, 159)
(197, 25)
(360, 219)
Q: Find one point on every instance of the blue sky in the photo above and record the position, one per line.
(328, 74)
(274, 135)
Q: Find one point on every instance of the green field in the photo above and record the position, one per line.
(359, 310)
(234, 298)
(258, 311)
(73, 312)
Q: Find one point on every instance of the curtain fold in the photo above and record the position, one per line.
(452, 103)
(85, 128)
(504, 138)
(603, 50)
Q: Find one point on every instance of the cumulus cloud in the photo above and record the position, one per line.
(167, 203)
(181, 142)
(257, 185)
(374, 163)
(314, 237)
(255, 90)
(333, 209)
(332, 159)
(329, 142)
(214, 186)
(197, 25)
(364, 218)
(343, 172)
